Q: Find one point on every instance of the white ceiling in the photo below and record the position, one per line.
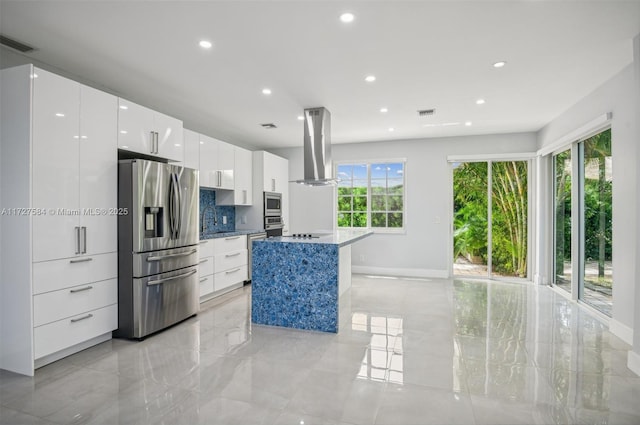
(425, 54)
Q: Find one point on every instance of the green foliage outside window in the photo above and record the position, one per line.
(374, 191)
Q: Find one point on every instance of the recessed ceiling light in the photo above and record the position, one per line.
(499, 64)
(467, 123)
(266, 91)
(123, 131)
(205, 44)
(370, 78)
(347, 17)
(177, 145)
(300, 118)
(391, 129)
(59, 114)
(124, 107)
(480, 102)
(384, 110)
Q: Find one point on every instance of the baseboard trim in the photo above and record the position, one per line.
(389, 271)
(633, 362)
(622, 331)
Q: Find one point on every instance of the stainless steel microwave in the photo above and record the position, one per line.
(272, 204)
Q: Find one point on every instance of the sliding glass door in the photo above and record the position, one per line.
(491, 219)
(583, 221)
(562, 172)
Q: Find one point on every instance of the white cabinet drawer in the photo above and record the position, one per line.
(56, 305)
(230, 277)
(206, 266)
(230, 243)
(65, 333)
(230, 260)
(206, 248)
(206, 285)
(53, 275)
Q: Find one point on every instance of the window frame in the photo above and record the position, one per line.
(368, 163)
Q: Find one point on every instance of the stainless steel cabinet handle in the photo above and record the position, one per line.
(244, 196)
(273, 185)
(233, 271)
(78, 250)
(84, 239)
(159, 281)
(203, 279)
(231, 238)
(153, 142)
(86, 288)
(164, 257)
(157, 143)
(81, 260)
(203, 242)
(88, 316)
(232, 255)
(204, 260)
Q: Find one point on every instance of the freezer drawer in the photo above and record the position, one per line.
(157, 302)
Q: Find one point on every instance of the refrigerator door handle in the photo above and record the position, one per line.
(167, 279)
(164, 257)
(178, 211)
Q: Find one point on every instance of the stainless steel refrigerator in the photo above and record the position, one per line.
(157, 246)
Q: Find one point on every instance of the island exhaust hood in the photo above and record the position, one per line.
(317, 148)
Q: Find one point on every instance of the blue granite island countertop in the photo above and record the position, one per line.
(298, 282)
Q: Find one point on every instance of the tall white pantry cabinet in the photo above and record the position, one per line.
(59, 217)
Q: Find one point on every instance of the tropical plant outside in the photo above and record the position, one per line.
(509, 215)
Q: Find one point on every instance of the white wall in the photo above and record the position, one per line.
(634, 356)
(614, 96)
(423, 249)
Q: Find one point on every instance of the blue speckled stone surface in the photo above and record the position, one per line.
(295, 285)
(208, 198)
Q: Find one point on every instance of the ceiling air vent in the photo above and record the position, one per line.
(269, 126)
(16, 45)
(426, 112)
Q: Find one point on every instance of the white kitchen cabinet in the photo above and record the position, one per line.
(275, 170)
(230, 263)
(149, 132)
(206, 269)
(223, 265)
(216, 163)
(74, 166)
(59, 173)
(191, 150)
(242, 180)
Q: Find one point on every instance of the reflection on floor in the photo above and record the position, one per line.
(410, 351)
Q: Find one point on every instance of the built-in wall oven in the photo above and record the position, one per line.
(273, 226)
(272, 204)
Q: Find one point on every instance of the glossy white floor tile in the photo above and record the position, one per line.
(410, 351)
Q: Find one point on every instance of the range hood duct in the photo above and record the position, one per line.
(317, 148)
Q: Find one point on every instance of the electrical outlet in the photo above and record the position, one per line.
(243, 219)
(224, 219)
(362, 258)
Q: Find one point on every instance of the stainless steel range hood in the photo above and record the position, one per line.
(318, 170)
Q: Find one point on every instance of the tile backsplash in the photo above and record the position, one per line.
(208, 199)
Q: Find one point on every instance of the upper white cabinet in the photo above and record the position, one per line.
(149, 132)
(242, 180)
(191, 150)
(275, 173)
(216, 163)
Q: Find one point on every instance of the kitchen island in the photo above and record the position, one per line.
(298, 281)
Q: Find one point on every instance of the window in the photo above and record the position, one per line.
(371, 194)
